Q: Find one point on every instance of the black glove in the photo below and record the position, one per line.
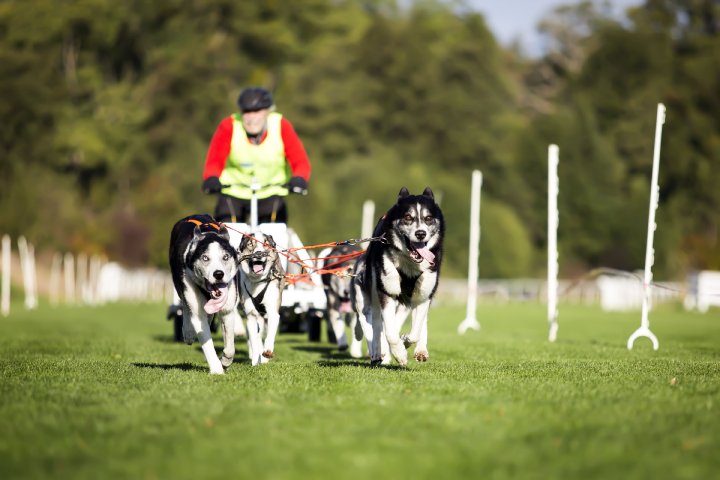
(211, 185)
(297, 185)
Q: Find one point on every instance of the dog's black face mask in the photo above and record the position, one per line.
(258, 253)
(417, 224)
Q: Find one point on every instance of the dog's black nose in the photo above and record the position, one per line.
(218, 274)
(420, 234)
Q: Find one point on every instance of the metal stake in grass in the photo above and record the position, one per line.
(644, 330)
(471, 315)
(553, 220)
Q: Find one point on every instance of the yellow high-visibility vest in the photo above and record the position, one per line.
(266, 161)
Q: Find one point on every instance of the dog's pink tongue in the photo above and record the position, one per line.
(217, 301)
(425, 253)
(258, 268)
(345, 307)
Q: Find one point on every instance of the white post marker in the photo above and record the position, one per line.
(26, 266)
(5, 275)
(474, 251)
(33, 275)
(54, 288)
(69, 270)
(644, 330)
(368, 214)
(552, 259)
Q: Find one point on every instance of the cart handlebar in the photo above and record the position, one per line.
(254, 187)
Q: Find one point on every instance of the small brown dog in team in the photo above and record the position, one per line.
(261, 282)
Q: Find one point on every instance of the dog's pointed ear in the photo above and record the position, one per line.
(243, 243)
(223, 232)
(428, 193)
(270, 240)
(403, 193)
(197, 235)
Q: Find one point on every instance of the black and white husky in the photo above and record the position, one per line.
(261, 282)
(337, 290)
(204, 266)
(400, 274)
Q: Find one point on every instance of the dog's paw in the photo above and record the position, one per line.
(406, 341)
(400, 354)
(226, 361)
(356, 350)
(422, 356)
(268, 354)
(217, 370)
(375, 362)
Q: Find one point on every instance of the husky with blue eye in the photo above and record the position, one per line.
(400, 275)
(204, 268)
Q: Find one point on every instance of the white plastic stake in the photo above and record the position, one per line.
(5, 275)
(94, 275)
(474, 252)
(25, 252)
(55, 268)
(368, 214)
(644, 330)
(552, 258)
(69, 268)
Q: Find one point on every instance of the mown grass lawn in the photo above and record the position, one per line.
(98, 393)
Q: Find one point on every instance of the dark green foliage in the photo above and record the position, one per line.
(108, 108)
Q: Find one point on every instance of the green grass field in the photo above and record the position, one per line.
(99, 393)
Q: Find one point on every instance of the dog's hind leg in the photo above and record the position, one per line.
(338, 326)
(240, 327)
(385, 350)
(187, 328)
(362, 305)
(357, 338)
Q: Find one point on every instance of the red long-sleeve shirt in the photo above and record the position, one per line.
(219, 149)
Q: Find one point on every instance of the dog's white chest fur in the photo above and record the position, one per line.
(395, 267)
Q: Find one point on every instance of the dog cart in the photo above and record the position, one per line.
(303, 300)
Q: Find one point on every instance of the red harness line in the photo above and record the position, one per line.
(293, 258)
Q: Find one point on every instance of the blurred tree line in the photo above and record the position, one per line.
(108, 107)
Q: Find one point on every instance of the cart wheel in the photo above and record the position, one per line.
(177, 328)
(314, 324)
(291, 322)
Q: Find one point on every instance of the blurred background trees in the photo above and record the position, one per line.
(108, 107)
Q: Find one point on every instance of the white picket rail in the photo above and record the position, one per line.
(79, 280)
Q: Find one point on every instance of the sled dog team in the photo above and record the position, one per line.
(395, 278)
